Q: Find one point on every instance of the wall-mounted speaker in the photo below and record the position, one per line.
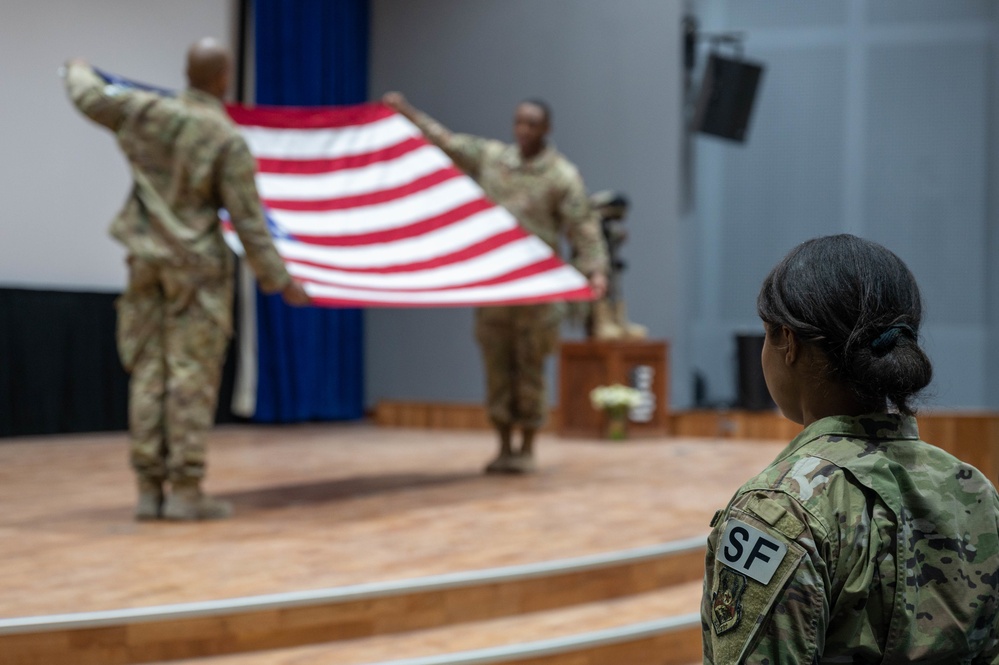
(726, 98)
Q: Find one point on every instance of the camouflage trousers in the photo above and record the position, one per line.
(515, 340)
(173, 328)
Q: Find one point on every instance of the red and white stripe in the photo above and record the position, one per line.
(371, 214)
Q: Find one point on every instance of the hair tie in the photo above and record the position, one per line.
(887, 340)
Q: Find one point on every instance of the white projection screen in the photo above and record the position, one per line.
(63, 177)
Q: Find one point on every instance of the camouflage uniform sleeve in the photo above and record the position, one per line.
(465, 150)
(582, 226)
(991, 653)
(105, 104)
(764, 598)
(239, 196)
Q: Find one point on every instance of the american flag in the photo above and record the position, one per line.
(367, 213)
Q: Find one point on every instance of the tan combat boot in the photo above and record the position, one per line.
(187, 503)
(150, 503)
(604, 324)
(501, 464)
(629, 330)
(523, 461)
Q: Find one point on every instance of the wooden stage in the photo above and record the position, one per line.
(356, 544)
(335, 506)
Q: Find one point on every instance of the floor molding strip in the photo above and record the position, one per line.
(357, 592)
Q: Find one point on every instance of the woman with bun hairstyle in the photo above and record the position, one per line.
(859, 543)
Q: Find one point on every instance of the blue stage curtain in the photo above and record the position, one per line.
(309, 53)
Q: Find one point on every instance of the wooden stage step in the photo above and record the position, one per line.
(654, 628)
(347, 531)
(266, 622)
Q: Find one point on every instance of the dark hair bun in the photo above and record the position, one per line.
(860, 304)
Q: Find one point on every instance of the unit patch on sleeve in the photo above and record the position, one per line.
(726, 601)
(750, 569)
(749, 551)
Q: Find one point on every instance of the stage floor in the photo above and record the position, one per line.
(322, 506)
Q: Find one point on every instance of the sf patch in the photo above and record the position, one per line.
(749, 568)
(747, 550)
(726, 601)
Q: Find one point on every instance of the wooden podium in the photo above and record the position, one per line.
(642, 364)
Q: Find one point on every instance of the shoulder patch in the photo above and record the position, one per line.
(749, 551)
(749, 567)
(726, 601)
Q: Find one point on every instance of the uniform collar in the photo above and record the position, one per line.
(539, 162)
(871, 426)
(203, 97)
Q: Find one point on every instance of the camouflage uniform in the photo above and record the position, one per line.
(175, 317)
(858, 544)
(547, 196)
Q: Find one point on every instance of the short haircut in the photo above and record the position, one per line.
(541, 104)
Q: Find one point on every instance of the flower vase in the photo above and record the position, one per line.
(617, 423)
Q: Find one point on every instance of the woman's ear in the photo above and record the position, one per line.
(791, 344)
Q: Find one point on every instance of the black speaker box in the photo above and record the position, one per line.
(753, 392)
(726, 98)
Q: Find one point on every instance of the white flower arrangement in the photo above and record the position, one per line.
(616, 396)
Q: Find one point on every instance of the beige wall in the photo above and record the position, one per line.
(63, 179)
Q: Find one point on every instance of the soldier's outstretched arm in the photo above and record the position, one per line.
(466, 150)
(103, 103)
